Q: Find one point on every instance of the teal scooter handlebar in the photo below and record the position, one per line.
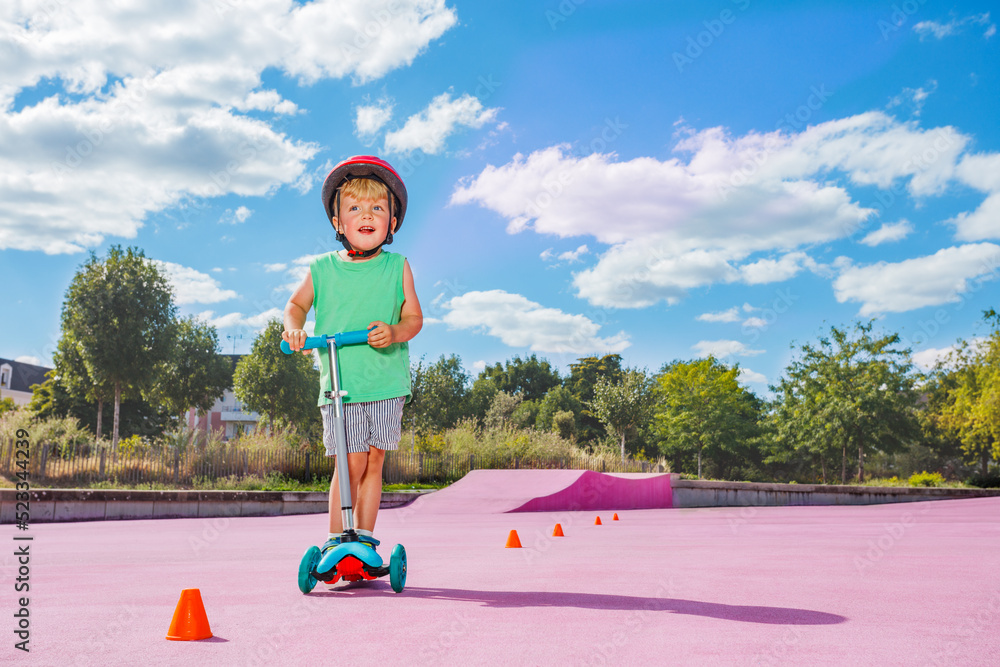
(339, 339)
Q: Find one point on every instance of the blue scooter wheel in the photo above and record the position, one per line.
(309, 560)
(397, 568)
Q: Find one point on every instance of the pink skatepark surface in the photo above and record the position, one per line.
(907, 584)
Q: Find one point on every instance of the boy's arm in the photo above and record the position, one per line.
(295, 314)
(411, 318)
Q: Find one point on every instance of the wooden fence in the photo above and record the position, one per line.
(181, 469)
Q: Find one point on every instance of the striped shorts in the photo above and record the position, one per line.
(371, 424)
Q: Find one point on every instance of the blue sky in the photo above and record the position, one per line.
(660, 180)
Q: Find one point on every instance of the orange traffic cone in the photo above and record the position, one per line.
(190, 621)
(615, 517)
(557, 531)
(597, 522)
(513, 541)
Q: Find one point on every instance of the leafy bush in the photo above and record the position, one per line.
(985, 481)
(276, 439)
(884, 481)
(63, 434)
(926, 479)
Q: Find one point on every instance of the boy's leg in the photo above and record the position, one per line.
(370, 490)
(356, 464)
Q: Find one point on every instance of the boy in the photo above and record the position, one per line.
(361, 287)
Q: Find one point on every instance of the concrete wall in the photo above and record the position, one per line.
(52, 505)
(702, 493)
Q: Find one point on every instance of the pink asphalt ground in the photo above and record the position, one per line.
(904, 584)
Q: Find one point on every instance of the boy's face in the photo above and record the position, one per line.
(364, 222)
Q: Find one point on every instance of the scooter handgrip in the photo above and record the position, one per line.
(312, 342)
(351, 337)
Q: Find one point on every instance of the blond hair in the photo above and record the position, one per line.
(364, 188)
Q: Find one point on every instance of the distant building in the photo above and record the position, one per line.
(227, 416)
(16, 379)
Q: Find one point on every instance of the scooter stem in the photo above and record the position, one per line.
(340, 438)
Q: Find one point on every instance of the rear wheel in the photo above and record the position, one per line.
(397, 568)
(309, 560)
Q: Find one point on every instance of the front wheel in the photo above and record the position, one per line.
(308, 564)
(397, 568)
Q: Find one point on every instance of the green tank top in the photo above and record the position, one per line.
(348, 296)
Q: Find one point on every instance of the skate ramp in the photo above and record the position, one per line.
(498, 491)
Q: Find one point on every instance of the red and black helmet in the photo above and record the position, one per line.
(365, 166)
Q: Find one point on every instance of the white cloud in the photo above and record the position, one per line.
(686, 223)
(751, 377)
(240, 215)
(369, 119)
(154, 101)
(721, 349)
(274, 268)
(888, 233)
(429, 129)
(521, 323)
(955, 26)
(731, 315)
(981, 171)
(255, 322)
(928, 358)
(754, 323)
(569, 256)
(913, 97)
(267, 100)
(770, 270)
(932, 280)
(479, 366)
(192, 286)
(28, 359)
(574, 255)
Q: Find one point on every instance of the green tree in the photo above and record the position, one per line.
(530, 377)
(119, 314)
(479, 398)
(701, 408)
(439, 392)
(502, 410)
(7, 405)
(283, 387)
(854, 391)
(68, 389)
(195, 375)
(970, 407)
(582, 380)
(623, 406)
(558, 399)
(564, 423)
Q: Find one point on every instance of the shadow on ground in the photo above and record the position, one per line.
(511, 599)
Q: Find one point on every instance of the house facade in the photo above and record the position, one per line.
(228, 416)
(17, 378)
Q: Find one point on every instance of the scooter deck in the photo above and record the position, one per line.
(363, 553)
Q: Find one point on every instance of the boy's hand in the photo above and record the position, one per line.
(381, 336)
(296, 338)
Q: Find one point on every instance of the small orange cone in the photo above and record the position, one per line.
(190, 621)
(597, 522)
(615, 517)
(557, 531)
(513, 541)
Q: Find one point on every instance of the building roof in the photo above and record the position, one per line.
(24, 375)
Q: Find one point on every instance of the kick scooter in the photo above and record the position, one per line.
(351, 560)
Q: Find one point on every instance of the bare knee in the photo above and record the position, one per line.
(356, 464)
